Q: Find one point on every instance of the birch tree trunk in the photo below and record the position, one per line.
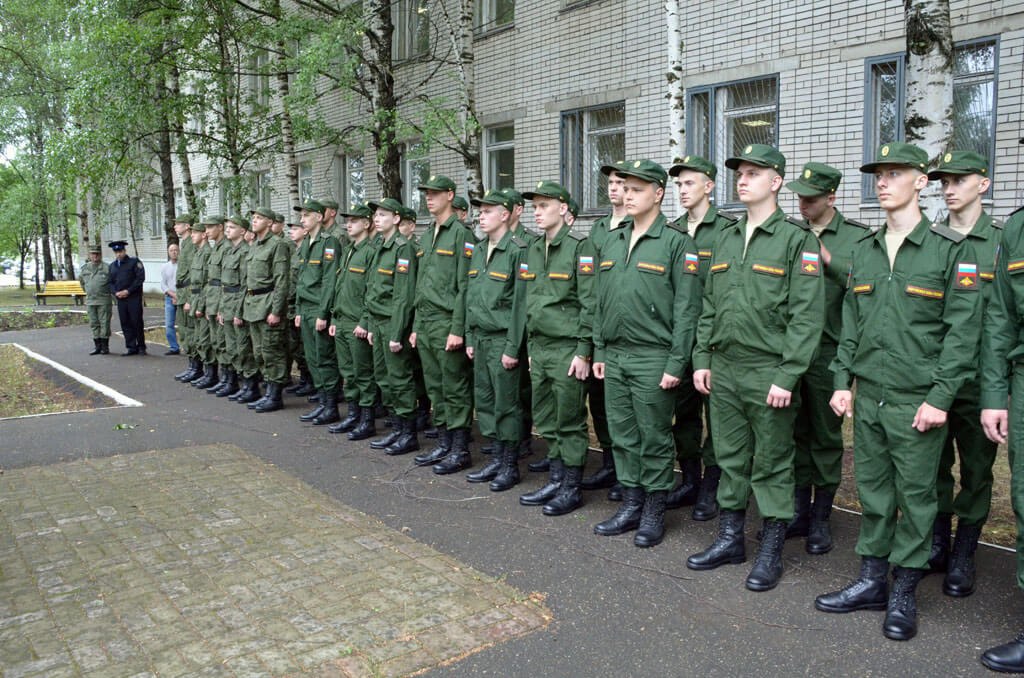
(287, 135)
(67, 252)
(378, 61)
(674, 76)
(929, 86)
(460, 33)
(182, 145)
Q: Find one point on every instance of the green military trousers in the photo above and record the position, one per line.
(598, 412)
(895, 467)
(218, 347)
(269, 347)
(393, 371)
(1016, 457)
(295, 350)
(977, 454)
(355, 364)
(559, 401)
(99, 320)
(201, 338)
(496, 390)
(239, 348)
(688, 427)
(753, 441)
(183, 321)
(319, 351)
(819, 432)
(640, 417)
(446, 374)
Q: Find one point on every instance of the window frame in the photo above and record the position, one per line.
(573, 178)
(405, 42)
(156, 217)
(490, 178)
(299, 166)
(259, 81)
(485, 21)
(259, 185)
(410, 193)
(343, 178)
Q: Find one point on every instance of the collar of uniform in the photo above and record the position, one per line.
(915, 236)
(833, 225)
(561, 235)
(450, 221)
(769, 224)
(389, 243)
(502, 244)
(655, 229)
(709, 216)
(982, 227)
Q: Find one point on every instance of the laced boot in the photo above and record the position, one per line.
(489, 472)
(389, 438)
(225, 374)
(800, 526)
(407, 440)
(210, 377)
(602, 477)
(349, 422)
(330, 414)
(959, 581)
(1007, 658)
(423, 415)
(256, 397)
(569, 496)
(652, 520)
(689, 489)
(767, 570)
(901, 613)
(245, 389)
(548, 491)
(97, 347)
(615, 492)
(627, 517)
(191, 369)
(728, 547)
(706, 507)
(365, 427)
(870, 591)
(432, 432)
(440, 451)
(525, 447)
(508, 474)
(315, 412)
(296, 385)
(230, 386)
(819, 536)
(458, 458)
(488, 448)
(938, 559)
(274, 400)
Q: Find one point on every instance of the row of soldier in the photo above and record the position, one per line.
(757, 323)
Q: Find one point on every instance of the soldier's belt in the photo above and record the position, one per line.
(213, 283)
(232, 289)
(197, 289)
(259, 290)
(183, 283)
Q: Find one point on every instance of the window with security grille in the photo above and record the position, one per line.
(415, 170)
(591, 138)
(723, 119)
(351, 179)
(500, 157)
(260, 190)
(305, 180)
(411, 36)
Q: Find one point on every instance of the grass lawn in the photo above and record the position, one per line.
(30, 387)
(13, 297)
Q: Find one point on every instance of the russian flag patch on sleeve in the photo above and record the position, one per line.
(810, 263)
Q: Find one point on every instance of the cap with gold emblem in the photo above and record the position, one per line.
(647, 170)
(407, 213)
(960, 162)
(614, 167)
(548, 189)
(459, 203)
(696, 164)
(265, 212)
(437, 182)
(898, 153)
(816, 179)
(310, 205)
(240, 221)
(359, 210)
(761, 155)
(515, 196)
(501, 198)
(389, 204)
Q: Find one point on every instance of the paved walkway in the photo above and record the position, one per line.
(615, 609)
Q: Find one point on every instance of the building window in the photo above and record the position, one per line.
(724, 119)
(492, 14)
(351, 187)
(974, 95)
(259, 79)
(412, 28)
(156, 217)
(500, 157)
(415, 170)
(591, 137)
(179, 201)
(305, 180)
(260, 190)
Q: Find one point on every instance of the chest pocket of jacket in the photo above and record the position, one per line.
(924, 299)
(652, 267)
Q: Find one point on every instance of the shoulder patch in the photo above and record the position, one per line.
(676, 227)
(997, 224)
(947, 233)
(577, 236)
(800, 223)
(729, 216)
(400, 240)
(858, 224)
(518, 242)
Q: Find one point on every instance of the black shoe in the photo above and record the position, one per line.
(230, 387)
(901, 613)
(440, 451)
(569, 496)
(602, 477)
(728, 547)
(330, 413)
(938, 559)
(200, 375)
(349, 422)
(627, 518)
(213, 388)
(800, 526)
(652, 520)
(105, 346)
(255, 398)
(540, 466)
(432, 432)
(1008, 658)
(423, 416)
(96, 347)
(172, 351)
(131, 351)
(210, 378)
(689, 489)
(870, 591)
(548, 491)
(458, 458)
(615, 492)
(407, 441)
(365, 427)
(305, 386)
(321, 397)
(767, 570)
(488, 448)
(508, 474)
(304, 381)
(386, 441)
(706, 507)
(819, 536)
(245, 392)
(181, 376)
(959, 581)
(274, 399)
(489, 472)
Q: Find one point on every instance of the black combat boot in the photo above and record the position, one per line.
(210, 377)
(423, 415)
(294, 386)
(938, 559)
(349, 422)
(728, 547)
(525, 447)
(1007, 658)
(458, 458)
(274, 399)
(819, 536)
(330, 413)
(245, 386)
(540, 466)
(195, 373)
(225, 374)
(315, 412)
(105, 346)
(407, 440)
(508, 474)
(652, 520)
(305, 386)
(689, 489)
(627, 517)
(959, 581)
(615, 492)
(800, 526)
(386, 441)
(706, 507)
(901, 612)
(569, 496)
(440, 451)
(602, 477)
(255, 397)
(767, 570)
(488, 448)
(546, 493)
(180, 376)
(96, 347)
(870, 591)
(229, 386)
(365, 427)
(489, 472)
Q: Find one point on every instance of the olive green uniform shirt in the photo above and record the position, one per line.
(442, 275)
(266, 280)
(496, 294)
(95, 279)
(186, 252)
(350, 282)
(705, 235)
(318, 264)
(197, 279)
(391, 287)
(232, 275)
(213, 265)
(1002, 344)
(840, 237)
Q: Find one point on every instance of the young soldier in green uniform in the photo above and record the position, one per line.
(1002, 397)
(318, 257)
(293, 237)
(250, 394)
(440, 327)
(95, 279)
(764, 304)
(196, 303)
(355, 356)
(236, 334)
(964, 177)
(185, 321)
(211, 303)
(818, 464)
(648, 271)
(495, 321)
(264, 308)
(407, 227)
(461, 208)
(387, 318)
(911, 322)
(560, 275)
(695, 181)
(331, 225)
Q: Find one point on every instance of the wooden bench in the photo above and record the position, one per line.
(62, 288)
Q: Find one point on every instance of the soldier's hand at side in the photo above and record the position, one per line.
(321, 324)
(412, 340)
(454, 343)
(369, 338)
(928, 417)
(273, 320)
(395, 346)
(996, 424)
(188, 307)
(469, 352)
(579, 368)
(360, 332)
(331, 330)
(842, 403)
(220, 319)
(778, 397)
(199, 314)
(599, 370)
(298, 319)
(237, 322)
(826, 256)
(668, 382)
(508, 362)
(702, 381)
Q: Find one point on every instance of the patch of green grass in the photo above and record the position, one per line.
(24, 390)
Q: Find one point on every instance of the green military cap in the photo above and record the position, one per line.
(614, 167)
(548, 189)
(329, 203)
(95, 249)
(647, 170)
(240, 220)
(697, 164)
(574, 207)
(389, 204)
(495, 198)
(359, 209)
(311, 205)
(762, 155)
(278, 217)
(898, 153)
(201, 227)
(213, 220)
(816, 179)
(960, 162)
(407, 213)
(184, 218)
(266, 212)
(437, 182)
(515, 196)
(295, 224)
(460, 203)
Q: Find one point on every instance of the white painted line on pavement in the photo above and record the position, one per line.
(119, 398)
(983, 543)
